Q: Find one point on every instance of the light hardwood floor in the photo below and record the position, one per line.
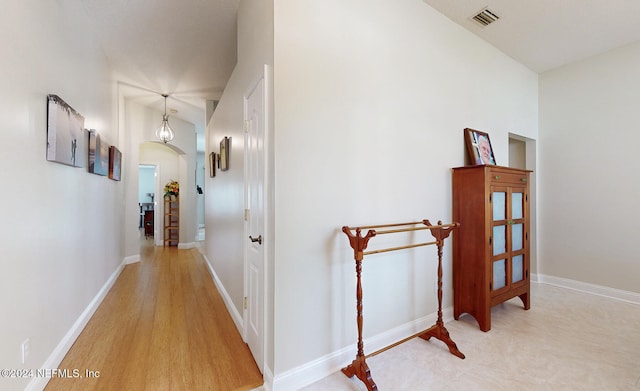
(163, 326)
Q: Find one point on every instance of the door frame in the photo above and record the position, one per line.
(264, 77)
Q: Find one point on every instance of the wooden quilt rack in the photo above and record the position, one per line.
(359, 243)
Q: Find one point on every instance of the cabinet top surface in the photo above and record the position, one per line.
(491, 168)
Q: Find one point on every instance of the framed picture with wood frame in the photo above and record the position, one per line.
(224, 153)
(115, 163)
(479, 147)
(213, 161)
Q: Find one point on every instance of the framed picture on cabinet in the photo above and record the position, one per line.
(479, 147)
(224, 154)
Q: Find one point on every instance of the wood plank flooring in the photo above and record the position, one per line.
(163, 326)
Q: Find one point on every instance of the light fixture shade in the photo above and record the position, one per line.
(165, 133)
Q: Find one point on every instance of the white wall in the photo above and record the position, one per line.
(60, 232)
(589, 170)
(371, 99)
(202, 171)
(224, 205)
(139, 124)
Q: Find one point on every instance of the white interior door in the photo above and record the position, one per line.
(255, 223)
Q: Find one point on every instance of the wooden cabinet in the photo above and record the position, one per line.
(171, 221)
(148, 223)
(491, 246)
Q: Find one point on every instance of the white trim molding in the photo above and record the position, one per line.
(131, 259)
(599, 290)
(186, 246)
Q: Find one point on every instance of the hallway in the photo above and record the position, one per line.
(163, 326)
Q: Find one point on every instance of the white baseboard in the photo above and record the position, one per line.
(267, 376)
(55, 358)
(186, 246)
(599, 290)
(322, 367)
(132, 259)
(233, 311)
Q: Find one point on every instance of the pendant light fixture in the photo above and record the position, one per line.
(165, 133)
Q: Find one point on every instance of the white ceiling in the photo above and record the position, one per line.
(546, 34)
(188, 48)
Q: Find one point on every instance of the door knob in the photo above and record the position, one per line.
(258, 239)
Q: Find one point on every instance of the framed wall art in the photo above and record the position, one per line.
(65, 133)
(115, 163)
(479, 147)
(98, 155)
(213, 162)
(224, 153)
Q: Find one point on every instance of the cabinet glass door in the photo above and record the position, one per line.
(518, 235)
(499, 199)
(499, 274)
(508, 236)
(517, 206)
(499, 239)
(517, 264)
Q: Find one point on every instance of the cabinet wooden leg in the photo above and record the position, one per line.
(360, 368)
(525, 300)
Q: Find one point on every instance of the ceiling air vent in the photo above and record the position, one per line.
(485, 17)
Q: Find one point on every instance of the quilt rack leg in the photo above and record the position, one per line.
(438, 330)
(359, 366)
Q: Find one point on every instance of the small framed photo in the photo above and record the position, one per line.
(224, 153)
(99, 154)
(479, 147)
(115, 163)
(213, 162)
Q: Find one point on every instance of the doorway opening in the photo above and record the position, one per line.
(522, 154)
(147, 201)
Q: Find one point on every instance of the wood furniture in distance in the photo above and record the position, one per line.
(148, 223)
(359, 243)
(144, 206)
(171, 221)
(491, 247)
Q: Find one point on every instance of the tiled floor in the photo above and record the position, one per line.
(568, 340)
